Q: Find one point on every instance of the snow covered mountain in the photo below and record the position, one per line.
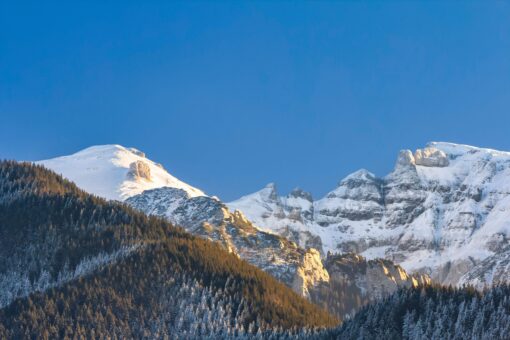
(120, 173)
(289, 216)
(443, 210)
(115, 172)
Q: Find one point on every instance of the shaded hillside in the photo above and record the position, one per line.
(432, 312)
(72, 262)
(355, 281)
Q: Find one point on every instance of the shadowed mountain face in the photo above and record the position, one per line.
(431, 312)
(73, 264)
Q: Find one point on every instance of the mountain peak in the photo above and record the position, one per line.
(113, 171)
(361, 174)
(270, 191)
(300, 193)
(101, 148)
(405, 159)
(271, 186)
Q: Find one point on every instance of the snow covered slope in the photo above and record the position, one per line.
(442, 210)
(290, 216)
(115, 172)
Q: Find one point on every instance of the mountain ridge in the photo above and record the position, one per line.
(437, 199)
(441, 212)
(298, 267)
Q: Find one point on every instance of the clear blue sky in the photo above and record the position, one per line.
(230, 96)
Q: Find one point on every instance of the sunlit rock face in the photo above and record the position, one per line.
(443, 210)
(139, 170)
(431, 157)
(310, 273)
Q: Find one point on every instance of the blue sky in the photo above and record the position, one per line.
(230, 96)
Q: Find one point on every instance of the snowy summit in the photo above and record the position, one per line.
(115, 172)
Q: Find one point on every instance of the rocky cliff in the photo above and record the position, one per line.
(443, 210)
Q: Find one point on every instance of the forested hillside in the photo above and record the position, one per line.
(432, 312)
(74, 264)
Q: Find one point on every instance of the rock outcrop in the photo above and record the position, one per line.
(137, 152)
(309, 273)
(431, 157)
(139, 170)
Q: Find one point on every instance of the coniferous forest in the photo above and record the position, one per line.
(432, 312)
